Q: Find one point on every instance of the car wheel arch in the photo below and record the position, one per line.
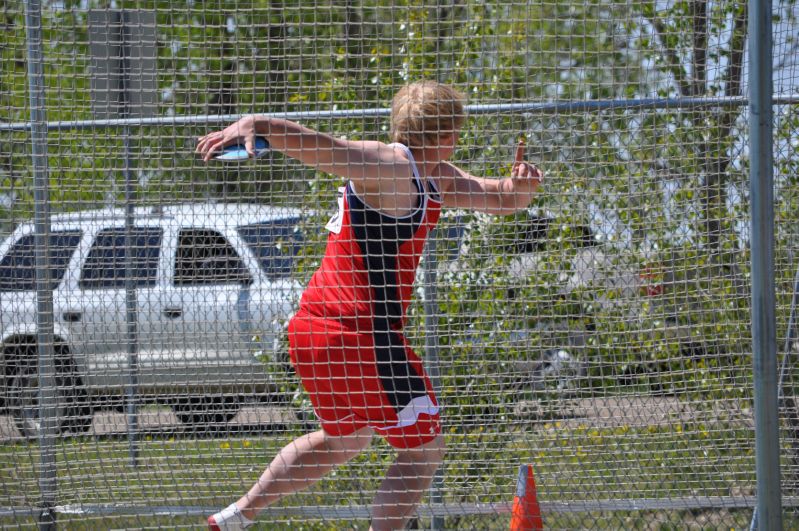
(12, 353)
(20, 360)
(12, 350)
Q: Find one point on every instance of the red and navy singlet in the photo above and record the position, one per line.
(356, 304)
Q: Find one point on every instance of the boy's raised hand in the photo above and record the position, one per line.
(524, 173)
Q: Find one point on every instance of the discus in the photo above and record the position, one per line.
(238, 152)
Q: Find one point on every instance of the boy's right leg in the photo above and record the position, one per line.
(300, 464)
(405, 483)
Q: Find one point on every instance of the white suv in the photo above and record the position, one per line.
(214, 286)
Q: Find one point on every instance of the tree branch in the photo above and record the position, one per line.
(699, 14)
(673, 63)
(734, 72)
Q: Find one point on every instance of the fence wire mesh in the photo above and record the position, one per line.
(601, 334)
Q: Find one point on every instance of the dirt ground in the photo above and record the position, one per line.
(643, 411)
(610, 412)
(160, 420)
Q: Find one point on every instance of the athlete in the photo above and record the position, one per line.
(346, 341)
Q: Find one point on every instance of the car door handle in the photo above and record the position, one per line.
(72, 317)
(173, 313)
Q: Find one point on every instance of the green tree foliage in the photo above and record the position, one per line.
(662, 191)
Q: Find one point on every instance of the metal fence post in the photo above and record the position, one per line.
(431, 313)
(131, 300)
(764, 338)
(48, 485)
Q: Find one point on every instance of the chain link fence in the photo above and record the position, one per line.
(603, 335)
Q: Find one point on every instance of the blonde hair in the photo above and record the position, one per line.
(424, 111)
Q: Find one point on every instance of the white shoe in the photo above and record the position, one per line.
(229, 519)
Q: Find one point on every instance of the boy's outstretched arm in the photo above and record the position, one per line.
(360, 161)
(491, 196)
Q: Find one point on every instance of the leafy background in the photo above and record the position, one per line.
(634, 258)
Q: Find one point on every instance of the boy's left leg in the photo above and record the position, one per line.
(300, 464)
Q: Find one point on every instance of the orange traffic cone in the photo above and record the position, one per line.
(526, 515)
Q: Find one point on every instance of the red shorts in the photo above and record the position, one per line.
(356, 380)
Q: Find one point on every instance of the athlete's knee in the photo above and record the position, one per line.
(431, 453)
(437, 448)
(353, 443)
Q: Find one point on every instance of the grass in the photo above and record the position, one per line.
(572, 462)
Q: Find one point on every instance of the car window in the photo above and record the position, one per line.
(18, 267)
(206, 257)
(275, 244)
(105, 266)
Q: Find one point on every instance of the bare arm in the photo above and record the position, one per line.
(491, 196)
(365, 162)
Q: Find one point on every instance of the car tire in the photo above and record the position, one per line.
(22, 400)
(206, 413)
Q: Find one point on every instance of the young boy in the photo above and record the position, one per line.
(346, 341)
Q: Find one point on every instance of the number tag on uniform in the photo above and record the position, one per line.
(334, 225)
